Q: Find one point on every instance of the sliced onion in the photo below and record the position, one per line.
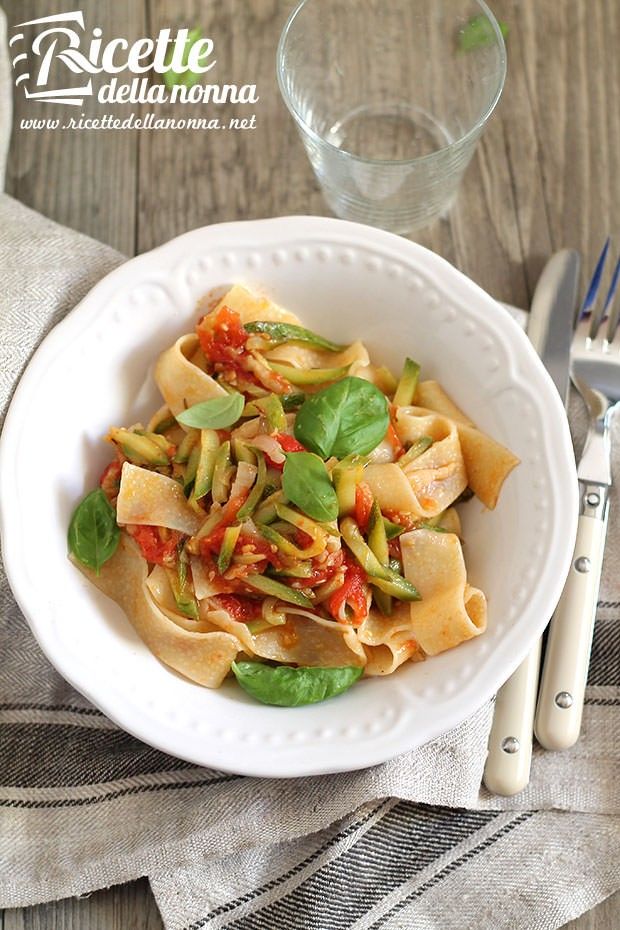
(271, 447)
(244, 479)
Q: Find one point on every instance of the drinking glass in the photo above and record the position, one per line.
(390, 97)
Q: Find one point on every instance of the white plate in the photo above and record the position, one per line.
(345, 281)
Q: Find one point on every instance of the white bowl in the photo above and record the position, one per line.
(345, 281)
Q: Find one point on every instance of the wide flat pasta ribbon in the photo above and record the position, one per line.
(431, 482)
(301, 356)
(147, 498)
(204, 657)
(487, 462)
(181, 381)
(388, 641)
(301, 640)
(451, 611)
(251, 307)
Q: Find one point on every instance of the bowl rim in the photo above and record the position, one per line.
(261, 233)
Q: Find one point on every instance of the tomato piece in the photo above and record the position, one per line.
(363, 505)
(223, 340)
(289, 443)
(110, 480)
(322, 572)
(222, 336)
(393, 439)
(349, 604)
(259, 547)
(157, 544)
(239, 606)
(213, 540)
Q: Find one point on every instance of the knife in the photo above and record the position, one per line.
(550, 329)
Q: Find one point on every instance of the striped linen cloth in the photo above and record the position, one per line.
(413, 843)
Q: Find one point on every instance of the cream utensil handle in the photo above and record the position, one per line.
(507, 769)
(560, 703)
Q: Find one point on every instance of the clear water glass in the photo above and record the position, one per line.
(390, 99)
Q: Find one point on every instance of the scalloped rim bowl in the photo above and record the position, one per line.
(346, 281)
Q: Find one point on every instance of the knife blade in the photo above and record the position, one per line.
(550, 327)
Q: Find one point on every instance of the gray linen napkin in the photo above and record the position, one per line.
(83, 805)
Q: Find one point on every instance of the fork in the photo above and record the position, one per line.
(595, 372)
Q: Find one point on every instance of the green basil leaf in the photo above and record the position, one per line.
(189, 78)
(215, 413)
(288, 332)
(93, 532)
(306, 483)
(478, 33)
(285, 686)
(349, 416)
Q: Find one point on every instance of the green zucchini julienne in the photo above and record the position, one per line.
(415, 450)
(392, 530)
(186, 445)
(242, 452)
(273, 588)
(308, 375)
(139, 449)
(266, 512)
(256, 493)
(191, 468)
(165, 424)
(378, 543)
(277, 333)
(406, 388)
(346, 476)
(159, 440)
(222, 474)
(271, 406)
(229, 541)
(380, 575)
(209, 445)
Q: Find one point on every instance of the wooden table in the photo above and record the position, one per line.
(545, 176)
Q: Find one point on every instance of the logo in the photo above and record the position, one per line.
(63, 39)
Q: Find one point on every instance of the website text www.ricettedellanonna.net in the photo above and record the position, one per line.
(145, 121)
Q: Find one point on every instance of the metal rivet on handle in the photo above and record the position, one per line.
(563, 699)
(510, 744)
(583, 564)
(593, 499)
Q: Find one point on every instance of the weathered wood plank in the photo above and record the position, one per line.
(84, 178)
(546, 175)
(124, 907)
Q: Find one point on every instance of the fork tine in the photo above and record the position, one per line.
(589, 300)
(614, 314)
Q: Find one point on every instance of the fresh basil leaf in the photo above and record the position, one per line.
(349, 416)
(189, 78)
(288, 332)
(93, 532)
(478, 33)
(215, 413)
(306, 483)
(285, 686)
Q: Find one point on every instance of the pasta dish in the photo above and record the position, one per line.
(288, 514)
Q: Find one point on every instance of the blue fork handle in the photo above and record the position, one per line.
(560, 702)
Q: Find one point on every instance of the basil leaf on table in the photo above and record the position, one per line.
(216, 413)
(349, 416)
(306, 483)
(93, 532)
(189, 78)
(289, 332)
(285, 686)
